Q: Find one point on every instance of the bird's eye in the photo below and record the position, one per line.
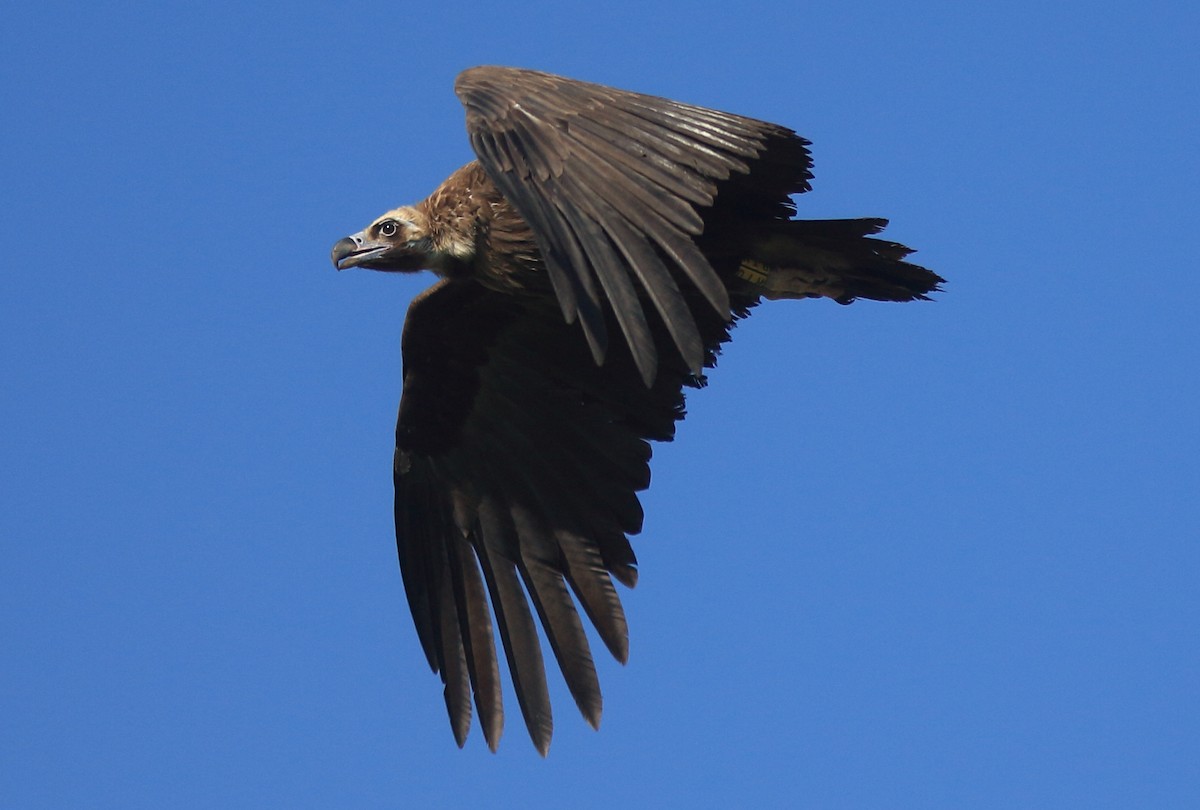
(388, 227)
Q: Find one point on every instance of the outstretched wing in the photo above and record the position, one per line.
(518, 460)
(614, 185)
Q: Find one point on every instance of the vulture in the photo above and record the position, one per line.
(591, 261)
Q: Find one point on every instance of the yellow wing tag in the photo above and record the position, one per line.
(754, 272)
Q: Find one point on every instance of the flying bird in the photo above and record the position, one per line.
(591, 262)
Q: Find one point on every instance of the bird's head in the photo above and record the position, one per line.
(397, 241)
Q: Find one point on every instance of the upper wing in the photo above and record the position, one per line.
(614, 184)
(518, 460)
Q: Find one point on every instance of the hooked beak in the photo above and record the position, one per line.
(356, 250)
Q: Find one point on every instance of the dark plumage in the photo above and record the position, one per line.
(592, 260)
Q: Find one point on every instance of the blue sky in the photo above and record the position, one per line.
(936, 555)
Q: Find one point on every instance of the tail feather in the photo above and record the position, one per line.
(834, 258)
